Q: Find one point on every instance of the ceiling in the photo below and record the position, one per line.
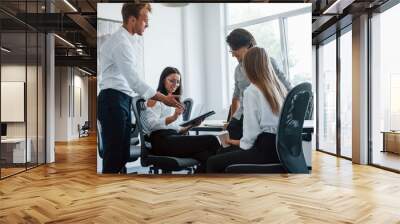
(76, 20)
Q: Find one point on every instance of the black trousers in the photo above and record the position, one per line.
(114, 114)
(235, 128)
(171, 143)
(263, 152)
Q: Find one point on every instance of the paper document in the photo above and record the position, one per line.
(214, 123)
(222, 137)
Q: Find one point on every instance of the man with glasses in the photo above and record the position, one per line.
(240, 41)
(118, 83)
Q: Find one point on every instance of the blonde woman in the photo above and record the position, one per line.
(262, 103)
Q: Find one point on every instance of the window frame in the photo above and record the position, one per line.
(283, 28)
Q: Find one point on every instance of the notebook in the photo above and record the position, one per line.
(222, 137)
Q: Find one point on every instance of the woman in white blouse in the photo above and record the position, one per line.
(161, 123)
(262, 103)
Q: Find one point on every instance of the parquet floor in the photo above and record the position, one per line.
(70, 191)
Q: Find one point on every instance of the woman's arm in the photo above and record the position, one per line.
(174, 117)
(232, 142)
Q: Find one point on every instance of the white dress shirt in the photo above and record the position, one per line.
(118, 63)
(257, 117)
(153, 118)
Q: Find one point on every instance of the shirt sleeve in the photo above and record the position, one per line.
(280, 74)
(236, 90)
(166, 112)
(251, 120)
(124, 58)
(153, 120)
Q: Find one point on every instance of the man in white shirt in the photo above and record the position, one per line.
(118, 83)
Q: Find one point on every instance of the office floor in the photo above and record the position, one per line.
(10, 171)
(70, 191)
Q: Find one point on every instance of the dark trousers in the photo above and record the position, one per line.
(171, 143)
(113, 112)
(263, 152)
(235, 128)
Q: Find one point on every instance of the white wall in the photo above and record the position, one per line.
(61, 103)
(215, 62)
(163, 42)
(190, 38)
(109, 11)
(193, 53)
(68, 80)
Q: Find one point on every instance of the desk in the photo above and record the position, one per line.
(13, 150)
(308, 130)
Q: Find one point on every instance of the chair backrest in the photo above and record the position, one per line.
(290, 128)
(99, 140)
(139, 105)
(310, 109)
(134, 130)
(188, 102)
(86, 125)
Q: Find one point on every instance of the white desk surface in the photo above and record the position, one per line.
(220, 123)
(308, 124)
(12, 140)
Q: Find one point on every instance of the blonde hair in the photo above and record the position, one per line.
(260, 72)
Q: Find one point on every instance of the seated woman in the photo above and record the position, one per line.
(262, 102)
(161, 122)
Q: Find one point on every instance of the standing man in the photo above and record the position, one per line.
(240, 41)
(118, 84)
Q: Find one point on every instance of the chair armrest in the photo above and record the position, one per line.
(256, 168)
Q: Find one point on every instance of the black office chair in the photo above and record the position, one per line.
(83, 131)
(165, 164)
(134, 132)
(188, 103)
(134, 152)
(288, 137)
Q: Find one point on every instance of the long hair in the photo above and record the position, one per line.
(164, 74)
(260, 72)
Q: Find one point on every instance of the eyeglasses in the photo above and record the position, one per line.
(231, 50)
(176, 82)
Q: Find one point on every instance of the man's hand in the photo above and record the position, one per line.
(170, 100)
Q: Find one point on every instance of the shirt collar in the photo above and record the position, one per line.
(124, 31)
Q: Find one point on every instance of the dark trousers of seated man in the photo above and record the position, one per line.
(114, 114)
(171, 143)
(263, 152)
(235, 128)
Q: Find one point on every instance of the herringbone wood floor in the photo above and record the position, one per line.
(70, 191)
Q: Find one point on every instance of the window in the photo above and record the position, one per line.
(284, 30)
(385, 87)
(327, 97)
(346, 94)
(299, 51)
(22, 74)
(238, 12)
